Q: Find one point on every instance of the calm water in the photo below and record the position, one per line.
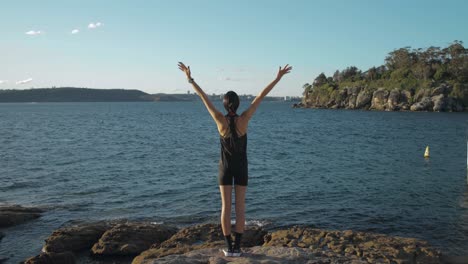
(158, 161)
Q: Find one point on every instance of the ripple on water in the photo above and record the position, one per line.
(330, 169)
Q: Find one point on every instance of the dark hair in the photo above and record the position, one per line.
(231, 101)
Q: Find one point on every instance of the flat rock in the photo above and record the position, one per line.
(359, 244)
(11, 215)
(75, 238)
(52, 258)
(131, 238)
(254, 255)
(199, 237)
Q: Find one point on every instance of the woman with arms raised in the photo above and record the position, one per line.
(232, 129)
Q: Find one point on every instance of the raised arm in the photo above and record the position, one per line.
(247, 114)
(215, 114)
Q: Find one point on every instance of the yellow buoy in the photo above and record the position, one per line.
(426, 153)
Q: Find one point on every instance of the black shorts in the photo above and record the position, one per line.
(237, 174)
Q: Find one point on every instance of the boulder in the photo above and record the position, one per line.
(440, 103)
(198, 237)
(379, 99)
(75, 238)
(298, 105)
(363, 99)
(425, 104)
(330, 103)
(393, 100)
(341, 99)
(52, 258)
(131, 238)
(353, 93)
(441, 89)
(11, 215)
(453, 105)
(421, 93)
(405, 100)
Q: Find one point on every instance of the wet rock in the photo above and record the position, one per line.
(75, 238)
(298, 105)
(379, 99)
(456, 106)
(52, 258)
(131, 238)
(393, 100)
(425, 104)
(11, 215)
(363, 100)
(199, 237)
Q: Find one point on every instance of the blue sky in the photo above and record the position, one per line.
(230, 45)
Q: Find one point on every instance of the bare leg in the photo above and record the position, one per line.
(226, 197)
(240, 208)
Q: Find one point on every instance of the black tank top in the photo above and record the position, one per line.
(234, 150)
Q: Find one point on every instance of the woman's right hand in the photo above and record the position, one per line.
(185, 69)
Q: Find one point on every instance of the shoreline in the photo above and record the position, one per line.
(145, 241)
(434, 99)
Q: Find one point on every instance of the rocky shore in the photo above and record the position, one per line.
(429, 99)
(142, 242)
(11, 215)
(146, 242)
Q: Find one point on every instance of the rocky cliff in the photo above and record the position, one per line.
(429, 99)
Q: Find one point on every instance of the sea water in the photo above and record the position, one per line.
(332, 169)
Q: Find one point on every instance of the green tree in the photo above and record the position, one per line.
(320, 80)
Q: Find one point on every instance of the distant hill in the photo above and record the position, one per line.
(72, 94)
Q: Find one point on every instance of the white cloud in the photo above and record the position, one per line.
(34, 33)
(75, 31)
(3, 81)
(94, 25)
(24, 81)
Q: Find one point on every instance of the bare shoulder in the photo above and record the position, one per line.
(242, 124)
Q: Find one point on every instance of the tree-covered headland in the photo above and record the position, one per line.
(431, 79)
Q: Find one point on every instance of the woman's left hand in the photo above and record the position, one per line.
(285, 70)
(185, 69)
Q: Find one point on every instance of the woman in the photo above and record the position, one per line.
(232, 129)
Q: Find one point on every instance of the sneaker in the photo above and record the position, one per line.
(227, 252)
(236, 253)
